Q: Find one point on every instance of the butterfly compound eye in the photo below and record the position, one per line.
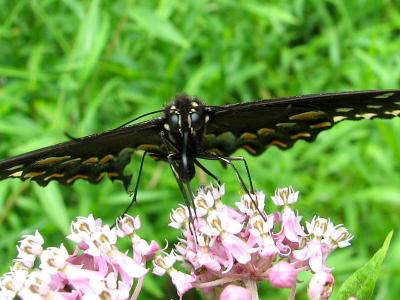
(174, 121)
(195, 120)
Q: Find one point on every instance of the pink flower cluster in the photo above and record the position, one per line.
(226, 252)
(229, 250)
(95, 270)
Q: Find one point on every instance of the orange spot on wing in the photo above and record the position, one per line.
(106, 159)
(307, 116)
(321, 125)
(91, 160)
(300, 135)
(248, 136)
(31, 175)
(52, 160)
(265, 131)
(250, 149)
(147, 147)
(112, 174)
(52, 176)
(278, 143)
(78, 176)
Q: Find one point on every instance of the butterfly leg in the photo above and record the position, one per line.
(208, 172)
(136, 186)
(242, 159)
(171, 160)
(137, 183)
(228, 161)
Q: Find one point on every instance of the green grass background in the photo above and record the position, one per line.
(87, 66)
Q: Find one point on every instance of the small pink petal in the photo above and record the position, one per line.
(129, 266)
(234, 292)
(282, 275)
(182, 282)
(320, 286)
(237, 248)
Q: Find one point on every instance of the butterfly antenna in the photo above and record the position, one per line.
(137, 118)
(72, 138)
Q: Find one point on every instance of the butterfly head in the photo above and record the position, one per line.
(185, 114)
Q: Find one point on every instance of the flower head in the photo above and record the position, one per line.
(96, 268)
(282, 275)
(320, 286)
(236, 247)
(234, 292)
(285, 196)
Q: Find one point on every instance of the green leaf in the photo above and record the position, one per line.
(272, 12)
(53, 205)
(151, 286)
(158, 27)
(362, 283)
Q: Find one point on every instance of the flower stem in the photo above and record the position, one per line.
(213, 283)
(251, 285)
(138, 288)
(292, 293)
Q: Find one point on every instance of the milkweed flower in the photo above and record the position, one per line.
(232, 249)
(225, 251)
(96, 269)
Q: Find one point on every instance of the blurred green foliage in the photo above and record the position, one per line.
(87, 66)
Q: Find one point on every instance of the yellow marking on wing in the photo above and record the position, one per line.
(339, 118)
(91, 160)
(210, 136)
(100, 177)
(112, 174)
(321, 125)
(307, 116)
(393, 112)
(78, 176)
(384, 96)
(31, 175)
(285, 125)
(147, 147)
(52, 160)
(248, 136)
(55, 175)
(344, 109)
(278, 143)
(15, 167)
(106, 159)
(16, 174)
(367, 116)
(216, 151)
(374, 106)
(397, 103)
(265, 131)
(72, 161)
(300, 135)
(250, 149)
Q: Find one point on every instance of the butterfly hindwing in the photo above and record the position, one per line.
(281, 122)
(90, 158)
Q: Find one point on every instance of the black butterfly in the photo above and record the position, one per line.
(189, 130)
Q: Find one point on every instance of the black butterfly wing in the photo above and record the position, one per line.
(89, 158)
(281, 122)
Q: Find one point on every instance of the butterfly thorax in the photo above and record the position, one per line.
(184, 127)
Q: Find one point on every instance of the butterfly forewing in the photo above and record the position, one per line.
(89, 158)
(281, 122)
(220, 130)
